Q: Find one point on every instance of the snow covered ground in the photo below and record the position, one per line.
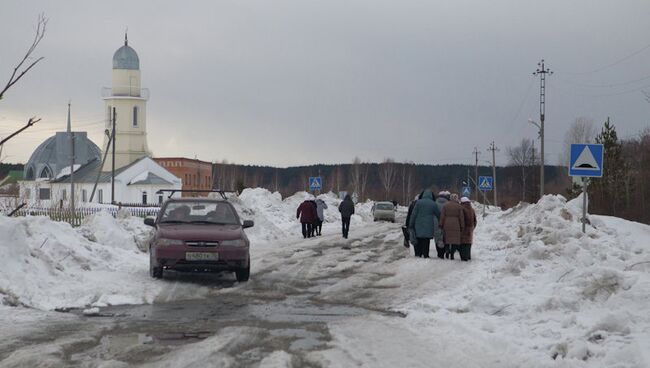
(537, 293)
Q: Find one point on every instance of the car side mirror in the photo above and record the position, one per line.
(149, 221)
(247, 224)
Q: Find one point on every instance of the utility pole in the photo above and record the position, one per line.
(476, 153)
(542, 71)
(493, 148)
(113, 163)
(71, 162)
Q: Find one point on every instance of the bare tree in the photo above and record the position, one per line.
(407, 181)
(365, 169)
(355, 175)
(387, 173)
(24, 65)
(522, 156)
(582, 130)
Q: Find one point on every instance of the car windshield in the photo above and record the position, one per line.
(384, 206)
(199, 212)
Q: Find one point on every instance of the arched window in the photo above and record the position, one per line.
(135, 116)
(45, 173)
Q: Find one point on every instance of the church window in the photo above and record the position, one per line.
(84, 195)
(45, 173)
(135, 116)
(100, 196)
(30, 173)
(144, 197)
(64, 195)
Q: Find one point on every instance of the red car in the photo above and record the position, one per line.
(199, 235)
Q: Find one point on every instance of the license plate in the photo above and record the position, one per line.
(201, 256)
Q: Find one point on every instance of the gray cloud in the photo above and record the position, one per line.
(298, 82)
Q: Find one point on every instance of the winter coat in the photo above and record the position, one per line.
(467, 236)
(346, 208)
(424, 214)
(438, 233)
(452, 221)
(410, 210)
(321, 206)
(306, 212)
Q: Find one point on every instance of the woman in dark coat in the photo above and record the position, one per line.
(467, 236)
(452, 221)
(307, 214)
(422, 221)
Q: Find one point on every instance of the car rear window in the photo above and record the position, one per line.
(199, 212)
(384, 206)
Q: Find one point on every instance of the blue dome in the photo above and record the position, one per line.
(126, 58)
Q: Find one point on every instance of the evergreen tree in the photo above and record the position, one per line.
(608, 191)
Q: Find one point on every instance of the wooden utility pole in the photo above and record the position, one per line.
(113, 163)
(494, 172)
(476, 153)
(542, 71)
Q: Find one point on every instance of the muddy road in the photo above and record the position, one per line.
(280, 317)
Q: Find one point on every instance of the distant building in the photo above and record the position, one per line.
(47, 178)
(195, 174)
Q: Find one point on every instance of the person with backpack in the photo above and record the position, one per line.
(307, 214)
(346, 208)
(467, 236)
(452, 221)
(321, 206)
(422, 219)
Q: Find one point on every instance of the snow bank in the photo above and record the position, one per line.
(539, 283)
(275, 217)
(48, 265)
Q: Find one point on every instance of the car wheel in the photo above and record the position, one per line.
(155, 272)
(243, 274)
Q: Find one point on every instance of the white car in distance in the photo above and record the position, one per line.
(383, 211)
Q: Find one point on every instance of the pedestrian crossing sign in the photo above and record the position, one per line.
(466, 191)
(485, 183)
(586, 160)
(315, 183)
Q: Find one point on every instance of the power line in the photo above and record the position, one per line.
(609, 85)
(614, 63)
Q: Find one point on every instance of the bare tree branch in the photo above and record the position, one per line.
(20, 70)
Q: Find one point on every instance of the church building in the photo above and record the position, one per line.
(71, 157)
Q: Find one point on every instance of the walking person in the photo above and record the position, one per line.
(314, 224)
(425, 212)
(307, 215)
(321, 206)
(346, 208)
(467, 236)
(443, 198)
(409, 232)
(452, 221)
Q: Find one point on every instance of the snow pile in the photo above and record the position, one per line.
(538, 283)
(49, 265)
(275, 217)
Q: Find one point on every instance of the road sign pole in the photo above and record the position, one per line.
(584, 204)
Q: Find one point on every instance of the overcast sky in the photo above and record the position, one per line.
(301, 82)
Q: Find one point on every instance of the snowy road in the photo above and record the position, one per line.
(281, 315)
